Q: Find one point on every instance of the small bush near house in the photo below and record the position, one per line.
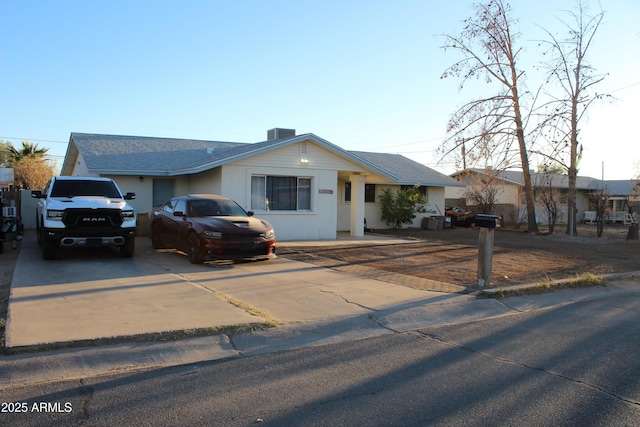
(400, 207)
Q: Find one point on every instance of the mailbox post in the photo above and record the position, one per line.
(487, 224)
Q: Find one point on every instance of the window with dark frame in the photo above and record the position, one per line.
(421, 189)
(280, 193)
(369, 192)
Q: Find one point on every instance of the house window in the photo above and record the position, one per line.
(304, 194)
(369, 192)
(280, 193)
(421, 189)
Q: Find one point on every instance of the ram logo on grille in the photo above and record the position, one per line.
(94, 219)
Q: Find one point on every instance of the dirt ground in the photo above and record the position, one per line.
(7, 261)
(451, 256)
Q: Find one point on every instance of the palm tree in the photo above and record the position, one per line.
(28, 150)
(5, 154)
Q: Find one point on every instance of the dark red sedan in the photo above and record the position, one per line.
(208, 227)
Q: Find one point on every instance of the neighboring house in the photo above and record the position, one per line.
(307, 187)
(510, 200)
(624, 198)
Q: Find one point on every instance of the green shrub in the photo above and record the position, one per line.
(400, 207)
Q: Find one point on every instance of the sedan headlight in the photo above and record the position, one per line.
(212, 235)
(269, 235)
(55, 215)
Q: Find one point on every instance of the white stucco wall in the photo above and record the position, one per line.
(318, 223)
(208, 182)
(434, 207)
(80, 168)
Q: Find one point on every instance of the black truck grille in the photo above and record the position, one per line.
(85, 218)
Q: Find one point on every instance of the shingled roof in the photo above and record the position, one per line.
(585, 183)
(407, 171)
(151, 156)
(138, 155)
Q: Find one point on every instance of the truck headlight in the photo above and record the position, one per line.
(54, 215)
(128, 215)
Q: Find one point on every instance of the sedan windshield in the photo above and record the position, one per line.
(200, 208)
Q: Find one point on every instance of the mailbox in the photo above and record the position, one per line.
(486, 221)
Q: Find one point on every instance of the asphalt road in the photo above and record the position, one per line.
(571, 365)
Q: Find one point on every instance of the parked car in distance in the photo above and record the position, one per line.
(209, 227)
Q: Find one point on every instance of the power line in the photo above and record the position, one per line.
(626, 87)
(34, 140)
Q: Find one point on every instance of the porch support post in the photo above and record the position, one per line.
(356, 225)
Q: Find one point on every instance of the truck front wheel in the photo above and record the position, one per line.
(127, 250)
(49, 249)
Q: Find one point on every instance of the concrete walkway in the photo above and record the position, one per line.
(88, 296)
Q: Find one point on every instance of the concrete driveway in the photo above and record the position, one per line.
(96, 294)
(92, 294)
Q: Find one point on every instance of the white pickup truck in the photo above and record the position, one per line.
(85, 212)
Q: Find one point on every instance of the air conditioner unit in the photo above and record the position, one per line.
(9, 212)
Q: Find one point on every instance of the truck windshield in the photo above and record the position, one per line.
(73, 188)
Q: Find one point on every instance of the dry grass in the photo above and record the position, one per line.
(584, 280)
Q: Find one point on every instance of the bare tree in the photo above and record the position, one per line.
(569, 68)
(599, 201)
(494, 124)
(482, 190)
(549, 196)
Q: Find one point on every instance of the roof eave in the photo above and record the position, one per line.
(283, 143)
(131, 172)
(70, 157)
(431, 184)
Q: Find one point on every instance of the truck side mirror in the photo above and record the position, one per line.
(37, 194)
(130, 196)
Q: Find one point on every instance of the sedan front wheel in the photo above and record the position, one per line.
(193, 249)
(155, 236)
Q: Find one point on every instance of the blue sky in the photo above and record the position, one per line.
(364, 75)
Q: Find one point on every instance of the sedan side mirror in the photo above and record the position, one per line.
(250, 213)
